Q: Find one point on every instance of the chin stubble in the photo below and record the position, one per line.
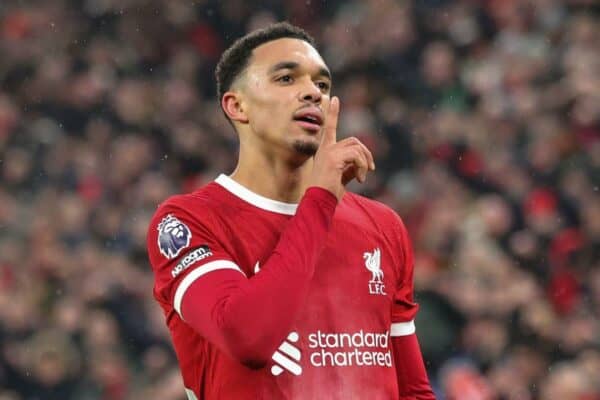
(305, 148)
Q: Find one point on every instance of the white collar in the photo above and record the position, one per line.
(254, 198)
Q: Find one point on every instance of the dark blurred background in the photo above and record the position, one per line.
(484, 118)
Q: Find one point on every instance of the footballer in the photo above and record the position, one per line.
(276, 282)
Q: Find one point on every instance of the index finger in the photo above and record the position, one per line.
(330, 127)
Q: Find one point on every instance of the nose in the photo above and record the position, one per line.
(311, 93)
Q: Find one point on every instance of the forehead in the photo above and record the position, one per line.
(285, 49)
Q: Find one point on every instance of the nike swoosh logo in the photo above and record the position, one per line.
(257, 267)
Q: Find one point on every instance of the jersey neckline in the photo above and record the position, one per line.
(255, 199)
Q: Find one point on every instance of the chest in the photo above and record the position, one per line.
(356, 272)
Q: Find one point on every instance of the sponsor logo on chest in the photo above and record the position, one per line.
(287, 357)
(334, 349)
(339, 349)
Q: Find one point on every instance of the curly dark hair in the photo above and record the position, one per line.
(235, 59)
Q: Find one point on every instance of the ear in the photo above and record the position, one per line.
(232, 104)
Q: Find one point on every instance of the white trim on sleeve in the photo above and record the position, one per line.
(197, 273)
(402, 328)
(190, 394)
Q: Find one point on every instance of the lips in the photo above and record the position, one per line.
(309, 118)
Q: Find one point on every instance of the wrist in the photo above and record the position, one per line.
(321, 195)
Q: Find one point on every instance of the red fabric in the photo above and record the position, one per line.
(564, 292)
(413, 383)
(540, 202)
(239, 314)
(464, 382)
(219, 228)
(90, 188)
(206, 40)
(470, 164)
(564, 244)
(16, 25)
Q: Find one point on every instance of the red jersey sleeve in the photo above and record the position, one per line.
(404, 307)
(413, 383)
(178, 244)
(213, 296)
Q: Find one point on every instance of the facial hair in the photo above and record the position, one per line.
(305, 148)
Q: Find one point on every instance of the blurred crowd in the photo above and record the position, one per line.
(483, 116)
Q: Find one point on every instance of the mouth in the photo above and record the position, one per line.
(309, 126)
(310, 119)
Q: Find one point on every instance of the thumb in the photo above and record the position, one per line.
(330, 128)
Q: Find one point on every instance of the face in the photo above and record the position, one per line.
(284, 94)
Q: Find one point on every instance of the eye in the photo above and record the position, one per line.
(324, 86)
(285, 79)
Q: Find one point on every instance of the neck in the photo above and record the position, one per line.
(273, 177)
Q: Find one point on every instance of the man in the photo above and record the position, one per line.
(275, 282)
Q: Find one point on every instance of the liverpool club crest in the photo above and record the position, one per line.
(373, 264)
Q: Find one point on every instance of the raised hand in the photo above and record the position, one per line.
(337, 163)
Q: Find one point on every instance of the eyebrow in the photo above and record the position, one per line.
(294, 65)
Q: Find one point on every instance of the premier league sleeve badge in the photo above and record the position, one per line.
(173, 236)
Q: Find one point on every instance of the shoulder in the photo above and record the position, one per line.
(195, 211)
(376, 209)
(201, 202)
(386, 219)
(185, 220)
(209, 194)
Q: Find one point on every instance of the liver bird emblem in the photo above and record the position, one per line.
(372, 262)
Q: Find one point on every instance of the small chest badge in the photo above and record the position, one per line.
(373, 264)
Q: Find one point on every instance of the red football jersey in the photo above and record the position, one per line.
(360, 295)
